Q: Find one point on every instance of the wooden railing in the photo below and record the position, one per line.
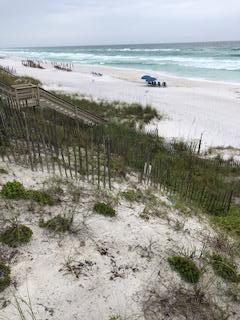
(37, 96)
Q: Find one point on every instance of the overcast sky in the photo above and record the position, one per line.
(89, 22)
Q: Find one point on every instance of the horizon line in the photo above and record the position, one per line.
(122, 44)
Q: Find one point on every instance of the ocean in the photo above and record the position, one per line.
(210, 60)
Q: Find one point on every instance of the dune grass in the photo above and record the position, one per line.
(224, 268)
(15, 190)
(229, 222)
(16, 235)
(186, 268)
(104, 209)
(116, 110)
(11, 80)
(5, 279)
(59, 224)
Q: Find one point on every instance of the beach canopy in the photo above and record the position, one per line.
(148, 78)
(151, 79)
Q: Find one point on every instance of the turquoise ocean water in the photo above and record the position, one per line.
(213, 61)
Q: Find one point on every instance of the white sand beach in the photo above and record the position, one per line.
(110, 266)
(191, 107)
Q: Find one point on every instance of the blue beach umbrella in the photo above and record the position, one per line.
(148, 78)
(151, 79)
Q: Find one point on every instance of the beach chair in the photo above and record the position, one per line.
(164, 84)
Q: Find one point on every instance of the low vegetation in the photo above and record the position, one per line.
(104, 209)
(229, 222)
(58, 224)
(132, 195)
(116, 111)
(11, 79)
(15, 190)
(5, 279)
(16, 235)
(224, 268)
(40, 197)
(177, 302)
(3, 171)
(186, 268)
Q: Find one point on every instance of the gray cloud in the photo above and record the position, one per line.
(82, 22)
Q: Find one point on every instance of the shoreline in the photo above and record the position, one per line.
(110, 67)
(164, 73)
(192, 106)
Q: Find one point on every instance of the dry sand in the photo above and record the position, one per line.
(191, 107)
(117, 259)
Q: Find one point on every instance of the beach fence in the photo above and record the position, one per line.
(160, 166)
(8, 70)
(39, 65)
(32, 64)
(54, 137)
(63, 66)
(159, 175)
(45, 140)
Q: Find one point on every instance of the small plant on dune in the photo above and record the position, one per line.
(224, 268)
(179, 225)
(181, 207)
(13, 190)
(104, 209)
(132, 195)
(16, 235)
(24, 308)
(59, 224)
(40, 197)
(115, 317)
(102, 195)
(229, 222)
(186, 268)
(5, 279)
(3, 171)
(178, 302)
(75, 192)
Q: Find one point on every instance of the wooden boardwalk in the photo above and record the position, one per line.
(34, 96)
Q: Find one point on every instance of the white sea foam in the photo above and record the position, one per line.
(179, 59)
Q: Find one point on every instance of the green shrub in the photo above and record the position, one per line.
(40, 197)
(16, 235)
(224, 268)
(5, 279)
(132, 195)
(104, 209)
(13, 190)
(186, 268)
(57, 224)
